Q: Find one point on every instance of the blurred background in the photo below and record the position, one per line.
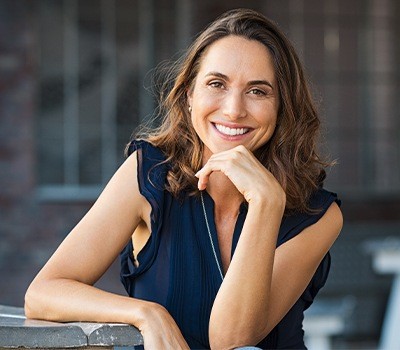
(75, 77)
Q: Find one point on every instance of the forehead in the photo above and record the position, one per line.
(234, 54)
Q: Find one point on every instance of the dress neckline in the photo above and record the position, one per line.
(210, 206)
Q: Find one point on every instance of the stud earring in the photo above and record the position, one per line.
(190, 109)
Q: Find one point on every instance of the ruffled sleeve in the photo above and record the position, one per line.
(151, 175)
(292, 225)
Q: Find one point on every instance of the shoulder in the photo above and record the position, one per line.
(321, 199)
(152, 168)
(151, 163)
(309, 236)
(317, 235)
(327, 204)
(148, 150)
(323, 204)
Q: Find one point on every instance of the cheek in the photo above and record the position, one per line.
(269, 124)
(205, 100)
(196, 122)
(193, 120)
(267, 117)
(272, 126)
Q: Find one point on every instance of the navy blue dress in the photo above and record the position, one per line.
(177, 268)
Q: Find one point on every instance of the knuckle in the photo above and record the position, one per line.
(211, 160)
(234, 156)
(241, 149)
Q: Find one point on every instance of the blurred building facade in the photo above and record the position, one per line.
(75, 80)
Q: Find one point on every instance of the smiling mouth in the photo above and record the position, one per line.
(231, 131)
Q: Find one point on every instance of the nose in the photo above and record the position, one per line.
(234, 106)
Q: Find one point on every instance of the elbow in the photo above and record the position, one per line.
(29, 304)
(227, 344)
(222, 343)
(235, 332)
(36, 301)
(29, 311)
(231, 339)
(31, 307)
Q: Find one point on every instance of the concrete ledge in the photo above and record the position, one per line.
(18, 332)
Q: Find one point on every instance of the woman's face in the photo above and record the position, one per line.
(234, 99)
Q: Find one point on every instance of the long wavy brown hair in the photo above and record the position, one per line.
(290, 155)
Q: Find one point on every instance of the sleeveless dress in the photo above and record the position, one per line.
(177, 268)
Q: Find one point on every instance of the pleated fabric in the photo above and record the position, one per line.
(177, 268)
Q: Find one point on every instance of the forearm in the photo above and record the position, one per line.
(66, 300)
(241, 307)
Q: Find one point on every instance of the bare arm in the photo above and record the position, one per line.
(262, 282)
(63, 290)
(260, 296)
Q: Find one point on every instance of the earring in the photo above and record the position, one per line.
(190, 109)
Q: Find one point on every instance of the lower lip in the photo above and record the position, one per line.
(231, 137)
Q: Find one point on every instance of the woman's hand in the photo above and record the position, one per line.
(248, 175)
(159, 329)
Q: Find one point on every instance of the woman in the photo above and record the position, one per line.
(220, 213)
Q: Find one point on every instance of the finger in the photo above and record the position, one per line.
(203, 179)
(204, 174)
(225, 161)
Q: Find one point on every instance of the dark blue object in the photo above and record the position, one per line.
(177, 268)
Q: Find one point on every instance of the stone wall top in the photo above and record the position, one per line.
(17, 331)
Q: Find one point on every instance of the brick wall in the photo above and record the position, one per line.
(17, 209)
(29, 230)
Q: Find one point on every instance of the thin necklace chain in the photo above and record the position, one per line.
(209, 235)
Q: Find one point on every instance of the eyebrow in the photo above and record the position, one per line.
(252, 82)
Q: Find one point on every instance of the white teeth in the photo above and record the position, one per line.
(230, 131)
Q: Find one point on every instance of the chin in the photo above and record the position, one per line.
(222, 148)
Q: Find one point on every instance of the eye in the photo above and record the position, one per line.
(216, 84)
(258, 92)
